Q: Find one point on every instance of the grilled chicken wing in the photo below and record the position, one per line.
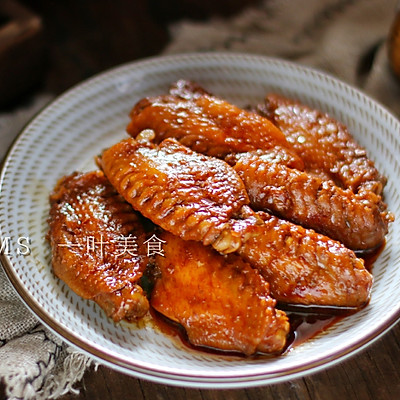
(209, 125)
(92, 233)
(220, 300)
(324, 144)
(312, 202)
(185, 193)
(302, 266)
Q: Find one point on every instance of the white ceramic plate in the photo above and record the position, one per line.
(69, 132)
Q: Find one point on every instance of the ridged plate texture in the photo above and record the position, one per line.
(69, 132)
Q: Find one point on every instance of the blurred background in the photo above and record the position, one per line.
(50, 45)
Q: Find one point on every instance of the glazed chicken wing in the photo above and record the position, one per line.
(194, 117)
(302, 266)
(324, 144)
(92, 233)
(208, 124)
(188, 194)
(220, 300)
(312, 202)
(183, 191)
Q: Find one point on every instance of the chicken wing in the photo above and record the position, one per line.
(183, 192)
(220, 300)
(302, 266)
(188, 194)
(312, 202)
(324, 144)
(93, 235)
(208, 124)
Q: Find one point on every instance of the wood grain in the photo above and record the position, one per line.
(371, 374)
(84, 38)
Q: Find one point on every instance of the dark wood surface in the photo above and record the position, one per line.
(372, 374)
(85, 37)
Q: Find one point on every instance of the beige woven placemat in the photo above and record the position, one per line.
(343, 37)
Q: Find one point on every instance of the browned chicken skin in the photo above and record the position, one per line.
(220, 300)
(186, 193)
(302, 266)
(360, 221)
(221, 296)
(183, 198)
(208, 124)
(312, 202)
(324, 144)
(90, 224)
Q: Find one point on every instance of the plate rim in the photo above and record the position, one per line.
(164, 374)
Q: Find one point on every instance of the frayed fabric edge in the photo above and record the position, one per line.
(55, 384)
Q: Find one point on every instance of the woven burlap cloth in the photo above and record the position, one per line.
(346, 38)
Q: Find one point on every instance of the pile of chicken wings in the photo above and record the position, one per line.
(253, 208)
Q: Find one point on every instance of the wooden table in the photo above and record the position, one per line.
(373, 374)
(86, 37)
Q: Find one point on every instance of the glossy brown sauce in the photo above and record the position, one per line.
(370, 257)
(306, 322)
(177, 332)
(305, 325)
